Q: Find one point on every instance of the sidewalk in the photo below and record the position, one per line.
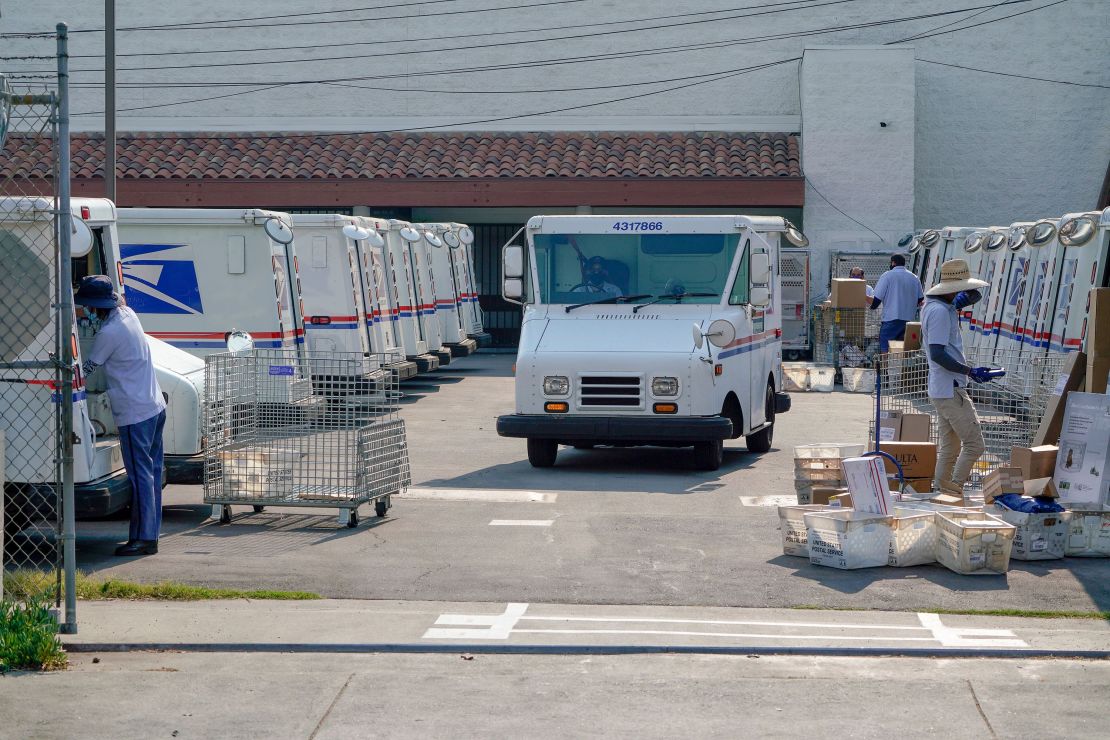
(399, 626)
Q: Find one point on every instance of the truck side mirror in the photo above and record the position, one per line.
(760, 296)
(512, 261)
(760, 268)
(512, 289)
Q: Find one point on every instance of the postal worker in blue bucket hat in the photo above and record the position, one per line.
(138, 406)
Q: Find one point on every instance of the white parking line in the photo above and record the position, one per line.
(768, 500)
(522, 522)
(956, 637)
(756, 635)
(479, 494)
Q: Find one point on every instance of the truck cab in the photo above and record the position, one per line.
(647, 330)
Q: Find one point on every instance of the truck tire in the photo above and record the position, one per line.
(761, 440)
(709, 455)
(542, 452)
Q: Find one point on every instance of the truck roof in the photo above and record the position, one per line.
(217, 216)
(322, 219)
(34, 208)
(709, 223)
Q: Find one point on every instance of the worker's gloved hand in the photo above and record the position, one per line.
(983, 374)
(966, 298)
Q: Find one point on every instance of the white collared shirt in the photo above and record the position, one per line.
(900, 291)
(120, 348)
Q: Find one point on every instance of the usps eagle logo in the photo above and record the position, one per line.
(155, 282)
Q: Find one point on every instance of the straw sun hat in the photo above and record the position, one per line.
(955, 276)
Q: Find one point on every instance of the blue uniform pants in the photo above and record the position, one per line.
(894, 329)
(141, 444)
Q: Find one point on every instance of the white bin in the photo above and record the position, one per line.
(1038, 536)
(838, 450)
(801, 376)
(858, 379)
(1088, 534)
(822, 379)
(254, 472)
(974, 542)
(847, 539)
(795, 538)
(913, 538)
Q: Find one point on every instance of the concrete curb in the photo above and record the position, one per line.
(487, 649)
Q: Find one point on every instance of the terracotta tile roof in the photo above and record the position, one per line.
(421, 155)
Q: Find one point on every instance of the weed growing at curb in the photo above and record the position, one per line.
(28, 638)
(33, 584)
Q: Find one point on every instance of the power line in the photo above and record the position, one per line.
(592, 57)
(1009, 74)
(984, 23)
(956, 22)
(842, 213)
(548, 29)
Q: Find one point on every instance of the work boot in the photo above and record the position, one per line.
(138, 547)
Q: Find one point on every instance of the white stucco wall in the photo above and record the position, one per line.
(988, 149)
(857, 149)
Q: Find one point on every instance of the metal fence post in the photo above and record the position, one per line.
(65, 332)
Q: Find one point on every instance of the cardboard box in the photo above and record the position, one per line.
(1070, 380)
(1040, 488)
(823, 495)
(1098, 368)
(1081, 476)
(947, 499)
(1097, 343)
(1001, 481)
(915, 428)
(1035, 462)
(843, 499)
(918, 459)
(849, 293)
(920, 485)
(890, 425)
(913, 335)
(868, 485)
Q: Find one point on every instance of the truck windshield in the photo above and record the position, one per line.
(574, 268)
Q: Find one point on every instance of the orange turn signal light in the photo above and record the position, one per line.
(665, 408)
(718, 369)
(556, 407)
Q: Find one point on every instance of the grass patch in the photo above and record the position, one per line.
(34, 584)
(1034, 613)
(28, 638)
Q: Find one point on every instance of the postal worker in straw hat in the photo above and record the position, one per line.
(957, 423)
(138, 407)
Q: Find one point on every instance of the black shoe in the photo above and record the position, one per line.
(138, 547)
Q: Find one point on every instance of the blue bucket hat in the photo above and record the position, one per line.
(96, 291)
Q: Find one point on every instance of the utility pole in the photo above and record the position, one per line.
(110, 99)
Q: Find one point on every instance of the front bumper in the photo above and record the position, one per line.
(567, 428)
(184, 468)
(102, 497)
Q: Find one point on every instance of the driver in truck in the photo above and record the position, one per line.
(137, 406)
(597, 279)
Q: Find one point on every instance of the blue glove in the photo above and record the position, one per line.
(966, 298)
(985, 374)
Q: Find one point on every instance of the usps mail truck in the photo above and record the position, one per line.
(341, 303)
(408, 296)
(462, 265)
(647, 330)
(1084, 240)
(418, 243)
(447, 288)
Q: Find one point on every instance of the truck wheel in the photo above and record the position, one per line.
(542, 452)
(709, 455)
(761, 440)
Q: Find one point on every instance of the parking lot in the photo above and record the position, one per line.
(607, 526)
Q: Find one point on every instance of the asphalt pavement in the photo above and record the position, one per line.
(604, 526)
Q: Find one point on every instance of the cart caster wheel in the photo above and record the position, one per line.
(352, 520)
(259, 509)
(381, 506)
(225, 515)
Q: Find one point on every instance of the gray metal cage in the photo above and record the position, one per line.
(288, 427)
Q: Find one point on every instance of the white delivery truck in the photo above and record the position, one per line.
(100, 482)
(342, 308)
(418, 243)
(462, 265)
(447, 290)
(647, 330)
(408, 298)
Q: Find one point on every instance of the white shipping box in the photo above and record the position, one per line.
(1081, 476)
(866, 478)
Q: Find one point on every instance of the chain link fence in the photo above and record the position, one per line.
(38, 395)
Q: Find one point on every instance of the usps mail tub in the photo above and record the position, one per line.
(259, 472)
(1038, 536)
(858, 379)
(913, 538)
(974, 542)
(848, 539)
(795, 539)
(1088, 534)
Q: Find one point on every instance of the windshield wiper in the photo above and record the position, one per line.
(677, 298)
(610, 299)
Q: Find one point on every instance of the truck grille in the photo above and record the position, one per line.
(610, 390)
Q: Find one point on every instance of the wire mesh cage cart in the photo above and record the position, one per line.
(845, 337)
(1010, 408)
(794, 269)
(276, 439)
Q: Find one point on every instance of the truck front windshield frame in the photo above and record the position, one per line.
(579, 268)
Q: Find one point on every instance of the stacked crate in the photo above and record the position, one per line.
(818, 466)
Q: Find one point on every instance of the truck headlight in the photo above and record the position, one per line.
(556, 385)
(664, 386)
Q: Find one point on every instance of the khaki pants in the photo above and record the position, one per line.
(960, 434)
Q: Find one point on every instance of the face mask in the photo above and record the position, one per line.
(596, 278)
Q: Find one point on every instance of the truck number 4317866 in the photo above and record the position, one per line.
(638, 226)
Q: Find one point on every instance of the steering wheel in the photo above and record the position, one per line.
(584, 285)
